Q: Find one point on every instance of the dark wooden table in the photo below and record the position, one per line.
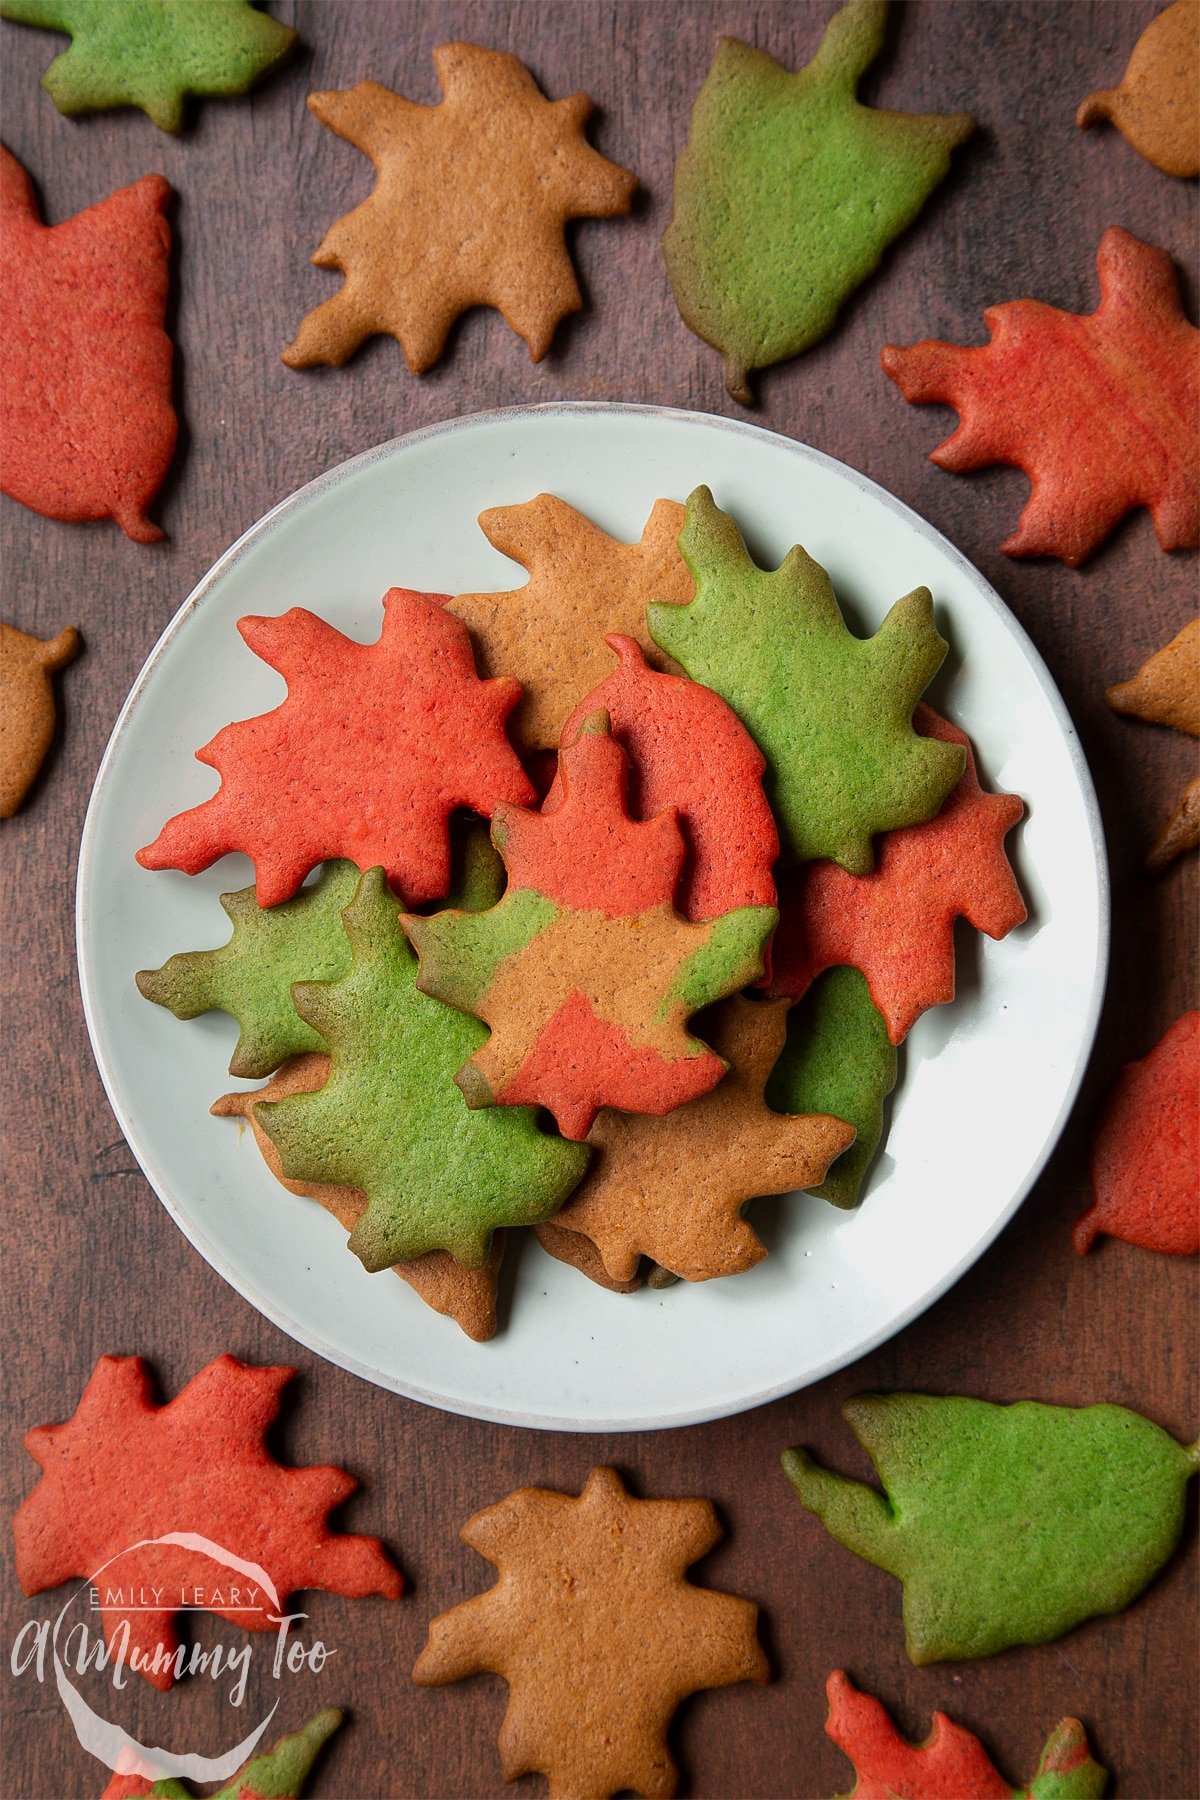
(94, 1264)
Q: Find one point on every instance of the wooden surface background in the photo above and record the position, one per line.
(92, 1261)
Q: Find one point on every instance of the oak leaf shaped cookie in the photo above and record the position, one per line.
(469, 209)
(1157, 105)
(951, 1764)
(830, 712)
(390, 1122)
(897, 923)
(579, 1252)
(1006, 1524)
(1101, 411)
(125, 1478)
(373, 749)
(597, 1631)
(688, 749)
(673, 1189)
(251, 976)
(838, 1059)
(27, 706)
(1146, 1151)
(468, 1296)
(87, 429)
(1166, 691)
(582, 584)
(281, 1774)
(585, 972)
(789, 191)
(153, 53)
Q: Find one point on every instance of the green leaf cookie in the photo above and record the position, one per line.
(151, 53)
(390, 1120)
(831, 712)
(789, 191)
(838, 1059)
(279, 1775)
(252, 975)
(1006, 1524)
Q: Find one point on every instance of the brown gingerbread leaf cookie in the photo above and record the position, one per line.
(579, 1252)
(673, 1188)
(469, 210)
(582, 585)
(27, 706)
(466, 1295)
(597, 1632)
(1156, 108)
(1166, 691)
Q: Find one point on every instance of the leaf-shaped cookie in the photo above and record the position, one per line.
(838, 1059)
(468, 1296)
(1146, 1151)
(830, 712)
(1157, 105)
(390, 1122)
(373, 749)
(153, 53)
(951, 1764)
(897, 923)
(597, 1631)
(87, 429)
(251, 976)
(584, 971)
(281, 1774)
(27, 714)
(125, 1471)
(673, 1188)
(582, 584)
(1166, 691)
(789, 191)
(689, 750)
(1101, 411)
(1006, 1524)
(469, 209)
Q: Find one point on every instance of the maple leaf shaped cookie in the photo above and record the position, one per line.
(391, 1123)
(951, 1764)
(373, 749)
(251, 976)
(281, 1774)
(789, 191)
(1145, 1159)
(27, 714)
(126, 1476)
(469, 210)
(1101, 411)
(688, 749)
(830, 712)
(582, 584)
(597, 1632)
(87, 429)
(897, 923)
(1166, 691)
(838, 1059)
(153, 53)
(584, 971)
(468, 1296)
(1157, 105)
(1006, 1524)
(673, 1188)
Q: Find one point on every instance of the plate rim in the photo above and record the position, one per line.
(304, 1333)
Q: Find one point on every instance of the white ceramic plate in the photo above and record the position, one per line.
(986, 1084)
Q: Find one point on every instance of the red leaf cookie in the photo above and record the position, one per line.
(689, 750)
(373, 749)
(87, 429)
(125, 1470)
(1146, 1151)
(951, 1764)
(897, 924)
(1101, 411)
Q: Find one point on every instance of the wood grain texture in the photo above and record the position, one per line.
(93, 1263)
